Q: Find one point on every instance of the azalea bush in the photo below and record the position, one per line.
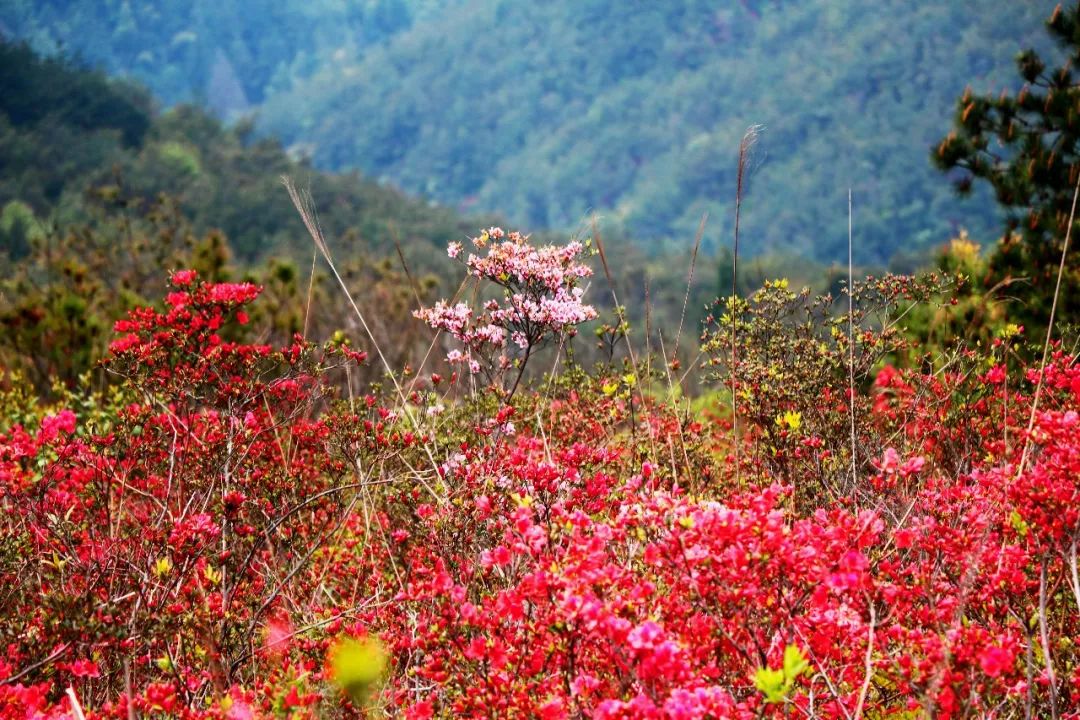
(230, 531)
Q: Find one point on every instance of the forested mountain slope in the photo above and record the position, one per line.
(229, 53)
(547, 111)
(73, 142)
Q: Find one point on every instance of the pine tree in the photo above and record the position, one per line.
(1027, 146)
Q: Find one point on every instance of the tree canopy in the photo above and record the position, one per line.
(1026, 147)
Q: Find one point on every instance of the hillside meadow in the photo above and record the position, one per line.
(279, 442)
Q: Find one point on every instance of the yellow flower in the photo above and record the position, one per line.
(963, 249)
(791, 419)
(1009, 331)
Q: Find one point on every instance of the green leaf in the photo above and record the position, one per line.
(795, 664)
(776, 684)
(1018, 524)
(771, 683)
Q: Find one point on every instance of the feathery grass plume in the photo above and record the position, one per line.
(851, 341)
(746, 146)
(305, 207)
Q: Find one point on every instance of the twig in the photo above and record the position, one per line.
(310, 293)
(128, 696)
(405, 266)
(611, 284)
(833, 688)
(1044, 639)
(31, 668)
(1075, 575)
(690, 280)
(75, 706)
(648, 330)
(869, 674)
(622, 322)
(318, 545)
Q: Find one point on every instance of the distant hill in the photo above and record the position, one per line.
(71, 138)
(229, 54)
(547, 111)
(102, 196)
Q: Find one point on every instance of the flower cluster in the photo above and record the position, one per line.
(185, 345)
(223, 542)
(154, 534)
(540, 300)
(563, 581)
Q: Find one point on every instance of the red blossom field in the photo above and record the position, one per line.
(229, 530)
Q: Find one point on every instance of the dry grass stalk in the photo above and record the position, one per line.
(305, 207)
(749, 139)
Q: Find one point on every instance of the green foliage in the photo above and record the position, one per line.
(1026, 147)
(34, 90)
(59, 298)
(636, 111)
(631, 110)
(179, 159)
(64, 130)
(59, 301)
(89, 199)
(978, 308)
(18, 402)
(777, 684)
(792, 351)
(90, 228)
(229, 53)
(18, 227)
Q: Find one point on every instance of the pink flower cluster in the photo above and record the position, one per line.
(540, 300)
